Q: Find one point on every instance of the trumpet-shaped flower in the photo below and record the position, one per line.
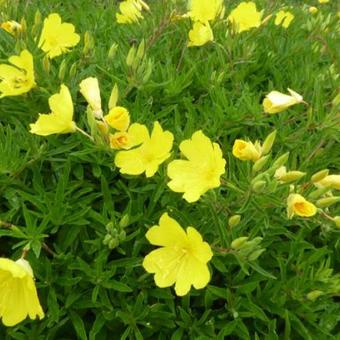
(60, 120)
(246, 151)
(298, 205)
(57, 37)
(89, 88)
(130, 11)
(12, 27)
(147, 157)
(202, 169)
(283, 18)
(181, 260)
(18, 298)
(205, 10)
(276, 101)
(200, 34)
(18, 79)
(118, 118)
(330, 181)
(245, 17)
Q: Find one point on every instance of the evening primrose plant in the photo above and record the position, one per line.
(169, 169)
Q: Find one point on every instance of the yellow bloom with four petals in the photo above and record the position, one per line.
(298, 205)
(181, 260)
(276, 101)
(283, 18)
(245, 17)
(60, 120)
(12, 27)
(202, 169)
(57, 37)
(18, 298)
(200, 34)
(147, 157)
(205, 10)
(18, 79)
(246, 151)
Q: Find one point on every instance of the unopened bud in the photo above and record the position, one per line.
(140, 51)
(88, 43)
(318, 176)
(258, 186)
(255, 254)
(318, 192)
(336, 220)
(62, 69)
(73, 70)
(312, 10)
(328, 201)
(113, 244)
(46, 64)
(107, 239)
(234, 221)
(268, 143)
(291, 176)
(23, 24)
(37, 17)
(260, 163)
(131, 56)
(239, 242)
(125, 220)
(281, 160)
(112, 51)
(113, 97)
(314, 294)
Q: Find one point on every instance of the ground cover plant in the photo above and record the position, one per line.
(169, 169)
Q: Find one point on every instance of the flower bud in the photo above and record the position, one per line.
(125, 220)
(255, 254)
(112, 51)
(239, 242)
(258, 186)
(140, 51)
(113, 97)
(260, 163)
(73, 70)
(46, 64)
(312, 10)
(131, 56)
(314, 294)
(318, 176)
(328, 201)
(317, 193)
(62, 69)
(291, 176)
(336, 220)
(281, 160)
(268, 143)
(234, 221)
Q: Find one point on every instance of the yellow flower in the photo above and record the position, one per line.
(205, 10)
(130, 11)
(246, 151)
(57, 37)
(245, 16)
(323, 1)
(298, 205)
(12, 27)
(17, 79)
(276, 101)
(283, 18)
(331, 181)
(118, 118)
(152, 152)
(200, 34)
(181, 259)
(89, 88)
(201, 172)
(312, 10)
(60, 120)
(18, 298)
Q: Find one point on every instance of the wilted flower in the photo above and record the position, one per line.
(200, 34)
(245, 17)
(202, 169)
(130, 11)
(89, 88)
(298, 205)
(247, 151)
(57, 37)
(17, 79)
(283, 18)
(147, 157)
(205, 10)
(12, 27)
(60, 120)
(276, 101)
(18, 298)
(181, 260)
(118, 118)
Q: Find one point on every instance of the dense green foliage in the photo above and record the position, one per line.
(65, 194)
